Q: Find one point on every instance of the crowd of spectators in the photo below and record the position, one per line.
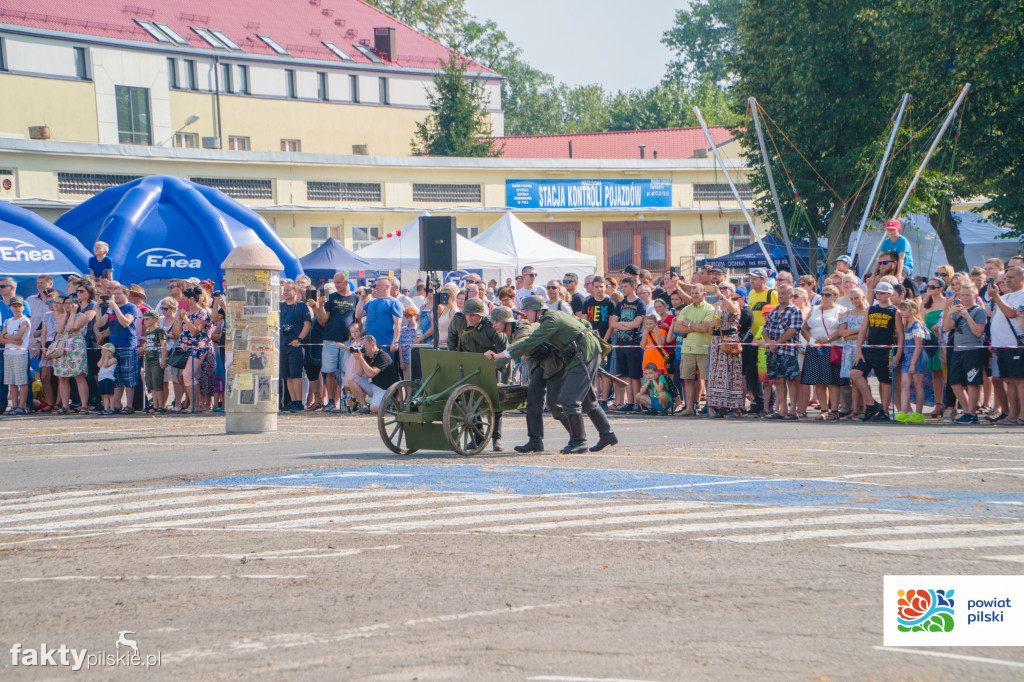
(766, 345)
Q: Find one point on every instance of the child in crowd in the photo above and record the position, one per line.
(105, 379)
(914, 365)
(407, 337)
(355, 336)
(101, 267)
(154, 360)
(894, 242)
(14, 336)
(656, 391)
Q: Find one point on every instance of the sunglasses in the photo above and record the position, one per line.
(933, 286)
(829, 295)
(885, 262)
(568, 281)
(939, 274)
(532, 274)
(552, 287)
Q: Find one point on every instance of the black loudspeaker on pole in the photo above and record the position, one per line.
(437, 244)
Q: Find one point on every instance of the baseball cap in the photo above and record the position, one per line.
(150, 313)
(715, 268)
(17, 300)
(759, 272)
(884, 288)
(894, 224)
(109, 346)
(844, 259)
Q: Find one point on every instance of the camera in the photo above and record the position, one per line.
(192, 292)
(287, 329)
(105, 298)
(310, 294)
(218, 294)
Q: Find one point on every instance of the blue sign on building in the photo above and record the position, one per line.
(656, 193)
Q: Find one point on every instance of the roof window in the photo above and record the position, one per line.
(368, 53)
(272, 43)
(171, 33)
(209, 38)
(336, 50)
(152, 30)
(232, 45)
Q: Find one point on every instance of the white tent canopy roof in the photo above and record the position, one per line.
(403, 252)
(517, 240)
(980, 236)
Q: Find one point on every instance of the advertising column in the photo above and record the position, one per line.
(252, 291)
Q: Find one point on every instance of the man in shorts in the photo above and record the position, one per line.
(879, 334)
(335, 313)
(1007, 329)
(966, 365)
(695, 322)
(625, 322)
(378, 374)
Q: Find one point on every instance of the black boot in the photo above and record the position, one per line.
(604, 441)
(577, 436)
(530, 447)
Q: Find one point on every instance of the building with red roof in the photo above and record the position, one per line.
(666, 143)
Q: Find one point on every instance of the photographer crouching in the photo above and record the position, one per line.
(374, 375)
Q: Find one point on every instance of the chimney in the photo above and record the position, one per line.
(570, 149)
(642, 148)
(384, 43)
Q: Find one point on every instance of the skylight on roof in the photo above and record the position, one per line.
(272, 43)
(232, 45)
(209, 38)
(171, 33)
(152, 30)
(368, 53)
(336, 50)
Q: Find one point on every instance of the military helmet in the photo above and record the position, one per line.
(502, 313)
(474, 306)
(534, 302)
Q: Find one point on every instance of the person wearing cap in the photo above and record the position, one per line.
(894, 242)
(117, 322)
(757, 298)
(571, 390)
(14, 335)
(539, 368)
(471, 332)
(154, 360)
(842, 264)
(878, 333)
(106, 377)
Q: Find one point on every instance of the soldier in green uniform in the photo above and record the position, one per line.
(470, 331)
(571, 390)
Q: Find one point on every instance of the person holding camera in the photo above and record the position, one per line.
(193, 332)
(295, 324)
(375, 376)
(381, 315)
(116, 322)
(335, 313)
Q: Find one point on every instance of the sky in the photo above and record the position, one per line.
(588, 41)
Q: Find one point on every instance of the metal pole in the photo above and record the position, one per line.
(771, 184)
(881, 172)
(732, 186)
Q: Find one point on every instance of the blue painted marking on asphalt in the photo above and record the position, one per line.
(528, 480)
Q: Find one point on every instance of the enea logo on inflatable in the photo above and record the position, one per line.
(13, 250)
(162, 257)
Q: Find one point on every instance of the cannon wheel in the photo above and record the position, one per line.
(392, 431)
(468, 420)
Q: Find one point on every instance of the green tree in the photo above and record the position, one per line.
(458, 124)
(702, 38)
(442, 20)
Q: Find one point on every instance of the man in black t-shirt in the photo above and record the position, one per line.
(336, 314)
(625, 322)
(597, 310)
(571, 282)
(378, 374)
(879, 329)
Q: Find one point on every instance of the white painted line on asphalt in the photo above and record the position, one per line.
(787, 535)
(32, 439)
(126, 494)
(997, 470)
(563, 678)
(780, 523)
(126, 518)
(820, 451)
(955, 657)
(667, 487)
(558, 505)
(939, 543)
(641, 518)
(1017, 558)
(118, 578)
(283, 554)
(489, 518)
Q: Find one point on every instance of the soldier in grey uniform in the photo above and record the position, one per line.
(471, 331)
(571, 390)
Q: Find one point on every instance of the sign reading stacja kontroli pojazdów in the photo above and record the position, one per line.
(655, 193)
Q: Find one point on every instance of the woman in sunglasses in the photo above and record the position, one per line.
(931, 308)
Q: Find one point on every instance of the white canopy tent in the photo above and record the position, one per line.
(980, 236)
(517, 240)
(403, 253)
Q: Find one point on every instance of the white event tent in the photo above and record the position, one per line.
(981, 238)
(403, 253)
(517, 240)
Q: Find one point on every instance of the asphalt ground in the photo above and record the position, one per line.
(695, 549)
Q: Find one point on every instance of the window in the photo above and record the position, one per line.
(228, 42)
(209, 38)
(289, 78)
(186, 140)
(704, 249)
(740, 235)
(133, 122)
(3, 56)
(644, 244)
(152, 30)
(238, 143)
(82, 63)
(90, 183)
(239, 188)
(337, 51)
(353, 86)
(364, 235)
(445, 192)
(385, 96)
(191, 77)
(720, 192)
(563, 234)
(243, 79)
(171, 33)
(291, 145)
(342, 191)
(321, 87)
(226, 84)
(468, 231)
(368, 53)
(172, 74)
(318, 234)
(272, 43)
